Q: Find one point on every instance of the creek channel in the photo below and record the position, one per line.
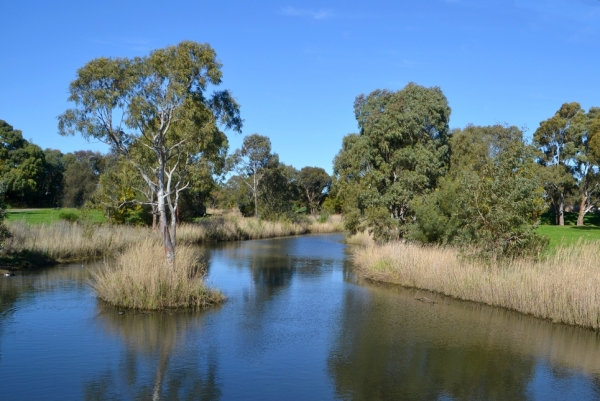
(297, 325)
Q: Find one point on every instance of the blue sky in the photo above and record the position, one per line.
(296, 67)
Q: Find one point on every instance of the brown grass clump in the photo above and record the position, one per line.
(141, 278)
(564, 287)
(361, 238)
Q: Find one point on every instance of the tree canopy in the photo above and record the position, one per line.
(315, 183)
(155, 112)
(400, 152)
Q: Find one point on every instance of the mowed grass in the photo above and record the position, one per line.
(570, 233)
(49, 216)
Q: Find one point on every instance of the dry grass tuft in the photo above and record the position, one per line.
(141, 278)
(564, 288)
(361, 238)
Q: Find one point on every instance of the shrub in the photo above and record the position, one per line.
(69, 215)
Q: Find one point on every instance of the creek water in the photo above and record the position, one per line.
(297, 325)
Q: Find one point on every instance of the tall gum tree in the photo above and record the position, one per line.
(400, 152)
(155, 112)
(587, 161)
(252, 161)
(315, 183)
(558, 139)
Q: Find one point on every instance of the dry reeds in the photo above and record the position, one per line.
(233, 228)
(141, 278)
(65, 242)
(564, 287)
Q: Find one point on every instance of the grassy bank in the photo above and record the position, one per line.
(141, 278)
(37, 244)
(50, 216)
(564, 287)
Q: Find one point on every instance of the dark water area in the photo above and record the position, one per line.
(298, 325)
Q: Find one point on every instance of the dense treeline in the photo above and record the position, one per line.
(258, 184)
(405, 175)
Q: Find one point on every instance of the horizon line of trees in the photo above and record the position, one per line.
(259, 185)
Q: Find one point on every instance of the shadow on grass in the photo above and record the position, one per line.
(585, 228)
(25, 260)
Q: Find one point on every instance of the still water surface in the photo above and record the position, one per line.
(298, 325)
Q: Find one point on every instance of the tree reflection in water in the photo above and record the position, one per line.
(393, 347)
(155, 361)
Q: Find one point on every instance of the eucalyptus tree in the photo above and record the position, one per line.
(252, 162)
(558, 138)
(587, 161)
(155, 112)
(315, 182)
(400, 152)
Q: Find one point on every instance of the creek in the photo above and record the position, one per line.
(297, 325)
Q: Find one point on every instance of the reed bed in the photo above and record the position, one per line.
(141, 278)
(66, 242)
(222, 228)
(563, 287)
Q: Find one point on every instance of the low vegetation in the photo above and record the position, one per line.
(141, 278)
(48, 216)
(63, 241)
(563, 287)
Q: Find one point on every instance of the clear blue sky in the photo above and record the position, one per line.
(296, 67)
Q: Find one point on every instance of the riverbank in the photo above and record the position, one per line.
(563, 287)
(61, 242)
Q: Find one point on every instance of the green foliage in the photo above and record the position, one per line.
(155, 113)
(570, 148)
(278, 193)
(315, 183)
(490, 201)
(81, 176)
(116, 198)
(23, 169)
(69, 215)
(400, 154)
(252, 161)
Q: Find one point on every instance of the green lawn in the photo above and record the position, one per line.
(570, 233)
(47, 216)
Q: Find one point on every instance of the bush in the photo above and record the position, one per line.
(69, 215)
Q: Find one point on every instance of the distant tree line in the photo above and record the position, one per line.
(258, 184)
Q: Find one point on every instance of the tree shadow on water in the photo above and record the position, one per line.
(148, 368)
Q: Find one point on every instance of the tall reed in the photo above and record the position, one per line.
(564, 287)
(141, 278)
(64, 242)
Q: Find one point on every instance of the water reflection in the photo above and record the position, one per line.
(298, 324)
(391, 346)
(155, 361)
